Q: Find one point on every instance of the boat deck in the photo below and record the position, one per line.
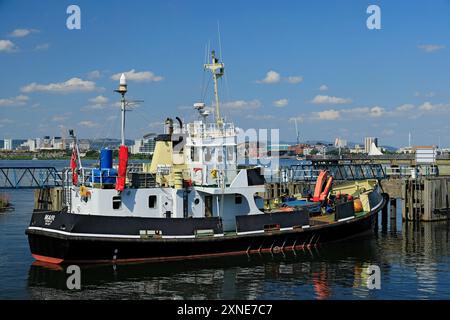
(330, 218)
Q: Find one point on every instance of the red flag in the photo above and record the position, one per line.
(73, 166)
(123, 162)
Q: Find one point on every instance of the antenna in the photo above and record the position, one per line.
(220, 40)
(217, 70)
(296, 131)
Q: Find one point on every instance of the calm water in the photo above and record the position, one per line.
(414, 260)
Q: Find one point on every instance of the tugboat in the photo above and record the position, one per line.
(192, 201)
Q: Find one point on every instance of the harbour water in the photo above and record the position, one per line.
(414, 260)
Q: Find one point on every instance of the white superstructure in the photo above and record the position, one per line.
(194, 173)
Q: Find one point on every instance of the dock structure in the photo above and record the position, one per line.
(426, 199)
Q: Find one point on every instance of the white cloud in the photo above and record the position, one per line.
(242, 104)
(19, 33)
(142, 76)
(271, 77)
(42, 47)
(376, 112)
(71, 85)
(7, 46)
(427, 106)
(281, 103)
(95, 74)
(328, 114)
(430, 48)
(294, 79)
(405, 107)
(322, 99)
(19, 100)
(351, 113)
(439, 107)
(88, 124)
(387, 132)
(274, 77)
(323, 87)
(99, 102)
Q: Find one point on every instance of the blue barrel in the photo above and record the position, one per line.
(106, 159)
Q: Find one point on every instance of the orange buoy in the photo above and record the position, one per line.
(357, 205)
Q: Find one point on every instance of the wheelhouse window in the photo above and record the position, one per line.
(152, 202)
(195, 154)
(208, 154)
(237, 199)
(117, 202)
(230, 153)
(219, 155)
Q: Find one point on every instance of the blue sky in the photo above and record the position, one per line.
(311, 60)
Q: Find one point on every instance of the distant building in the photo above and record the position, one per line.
(7, 144)
(340, 143)
(29, 145)
(307, 151)
(83, 145)
(143, 146)
(47, 143)
(368, 143)
(358, 149)
(297, 149)
(406, 150)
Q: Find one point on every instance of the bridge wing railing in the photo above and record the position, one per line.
(340, 172)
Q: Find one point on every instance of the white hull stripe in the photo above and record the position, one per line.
(96, 235)
(345, 219)
(262, 231)
(249, 232)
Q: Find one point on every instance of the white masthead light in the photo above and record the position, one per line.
(123, 80)
(122, 84)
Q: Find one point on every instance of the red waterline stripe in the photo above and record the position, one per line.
(47, 259)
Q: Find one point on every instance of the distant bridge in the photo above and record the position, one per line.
(29, 177)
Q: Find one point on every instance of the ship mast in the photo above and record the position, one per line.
(122, 90)
(217, 70)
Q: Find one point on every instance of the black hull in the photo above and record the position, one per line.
(58, 249)
(66, 247)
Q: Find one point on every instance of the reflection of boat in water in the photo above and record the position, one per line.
(5, 205)
(239, 277)
(193, 201)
